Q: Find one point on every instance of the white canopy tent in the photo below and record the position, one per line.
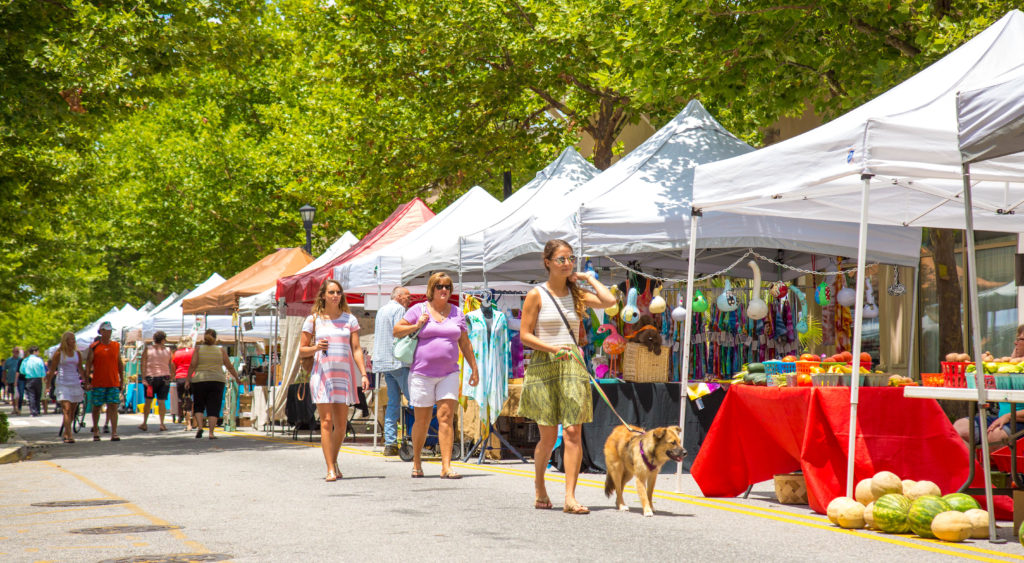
(639, 208)
(85, 336)
(266, 300)
(433, 246)
(897, 159)
(174, 323)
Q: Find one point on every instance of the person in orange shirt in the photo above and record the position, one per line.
(105, 373)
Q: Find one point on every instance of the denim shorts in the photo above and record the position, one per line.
(104, 396)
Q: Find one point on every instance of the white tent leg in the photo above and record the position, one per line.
(684, 369)
(912, 367)
(462, 429)
(376, 383)
(858, 329)
(979, 374)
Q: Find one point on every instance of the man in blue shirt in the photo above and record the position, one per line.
(34, 370)
(396, 375)
(11, 374)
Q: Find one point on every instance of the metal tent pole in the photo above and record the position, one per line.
(912, 361)
(376, 375)
(979, 369)
(684, 368)
(858, 331)
(462, 428)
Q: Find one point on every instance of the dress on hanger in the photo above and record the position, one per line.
(489, 338)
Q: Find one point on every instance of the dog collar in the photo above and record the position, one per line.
(643, 456)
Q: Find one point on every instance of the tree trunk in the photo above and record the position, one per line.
(947, 286)
(605, 128)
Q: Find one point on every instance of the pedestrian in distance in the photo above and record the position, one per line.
(156, 369)
(15, 383)
(104, 370)
(66, 374)
(330, 335)
(396, 374)
(33, 369)
(5, 387)
(182, 358)
(434, 373)
(206, 380)
(556, 390)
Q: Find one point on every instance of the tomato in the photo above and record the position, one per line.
(804, 380)
(789, 359)
(865, 358)
(809, 358)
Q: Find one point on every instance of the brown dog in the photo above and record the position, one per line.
(630, 452)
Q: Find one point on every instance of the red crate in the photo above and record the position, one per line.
(955, 375)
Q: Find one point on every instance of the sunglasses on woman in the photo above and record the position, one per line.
(333, 292)
(563, 260)
(443, 286)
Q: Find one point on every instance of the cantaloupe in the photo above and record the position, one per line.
(885, 482)
(979, 522)
(837, 505)
(851, 516)
(869, 516)
(952, 526)
(863, 493)
(907, 483)
(923, 488)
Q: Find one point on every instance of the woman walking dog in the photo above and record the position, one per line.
(557, 388)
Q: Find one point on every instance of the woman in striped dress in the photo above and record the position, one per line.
(556, 390)
(331, 335)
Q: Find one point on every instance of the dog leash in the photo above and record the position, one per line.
(574, 354)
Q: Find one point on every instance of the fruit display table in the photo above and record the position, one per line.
(763, 431)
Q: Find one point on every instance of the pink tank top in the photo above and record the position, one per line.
(157, 360)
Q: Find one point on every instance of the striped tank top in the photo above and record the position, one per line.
(550, 326)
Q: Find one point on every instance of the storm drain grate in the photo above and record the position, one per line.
(107, 530)
(171, 558)
(69, 503)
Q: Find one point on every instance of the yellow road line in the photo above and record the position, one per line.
(806, 520)
(176, 533)
(48, 522)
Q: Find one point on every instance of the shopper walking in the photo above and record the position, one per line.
(66, 374)
(182, 358)
(9, 369)
(331, 335)
(33, 369)
(434, 373)
(556, 390)
(206, 379)
(104, 370)
(14, 379)
(396, 375)
(156, 368)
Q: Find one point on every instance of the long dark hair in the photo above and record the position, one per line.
(550, 248)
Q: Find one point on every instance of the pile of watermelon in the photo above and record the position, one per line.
(891, 505)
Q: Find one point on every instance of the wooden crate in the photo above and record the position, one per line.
(642, 366)
(244, 422)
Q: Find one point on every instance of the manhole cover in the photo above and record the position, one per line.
(105, 530)
(171, 558)
(68, 503)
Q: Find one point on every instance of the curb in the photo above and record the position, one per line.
(15, 450)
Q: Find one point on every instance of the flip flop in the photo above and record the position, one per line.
(542, 504)
(417, 473)
(331, 477)
(575, 509)
(95, 438)
(115, 438)
(144, 428)
(451, 475)
(163, 428)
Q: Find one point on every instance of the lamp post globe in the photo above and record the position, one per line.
(307, 212)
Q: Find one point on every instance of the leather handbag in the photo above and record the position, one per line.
(306, 363)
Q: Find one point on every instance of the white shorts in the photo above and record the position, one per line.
(426, 391)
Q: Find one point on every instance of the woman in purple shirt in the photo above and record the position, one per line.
(434, 373)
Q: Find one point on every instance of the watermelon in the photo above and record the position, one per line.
(961, 502)
(755, 367)
(923, 511)
(890, 513)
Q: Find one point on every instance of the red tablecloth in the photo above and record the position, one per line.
(763, 431)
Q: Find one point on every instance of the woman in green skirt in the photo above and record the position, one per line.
(557, 388)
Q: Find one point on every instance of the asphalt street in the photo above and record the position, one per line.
(250, 497)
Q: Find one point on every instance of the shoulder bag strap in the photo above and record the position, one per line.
(560, 312)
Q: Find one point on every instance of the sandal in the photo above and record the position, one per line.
(331, 477)
(451, 475)
(575, 509)
(163, 428)
(417, 473)
(115, 438)
(95, 438)
(144, 427)
(68, 441)
(542, 504)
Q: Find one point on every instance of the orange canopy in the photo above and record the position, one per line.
(223, 299)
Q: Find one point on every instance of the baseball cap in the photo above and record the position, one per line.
(105, 325)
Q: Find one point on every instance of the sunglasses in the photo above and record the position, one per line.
(333, 292)
(443, 286)
(563, 260)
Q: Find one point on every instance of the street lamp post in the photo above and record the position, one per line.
(308, 212)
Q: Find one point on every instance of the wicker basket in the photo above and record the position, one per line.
(790, 488)
(640, 365)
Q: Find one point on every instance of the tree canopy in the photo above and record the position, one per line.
(146, 144)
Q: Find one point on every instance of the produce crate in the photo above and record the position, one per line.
(776, 367)
(825, 379)
(640, 365)
(804, 367)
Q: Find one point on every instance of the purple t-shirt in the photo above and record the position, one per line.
(437, 353)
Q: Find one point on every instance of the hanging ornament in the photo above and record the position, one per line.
(614, 309)
(757, 309)
(589, 267)
(823, 294)
(700, 303)
(778, 290)
(870, 309)
(801, 325)
(896, 289)
(614, 344)
(727, 301)
(630, 313)
(679, 313)
(846, 297)
(658, 304)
